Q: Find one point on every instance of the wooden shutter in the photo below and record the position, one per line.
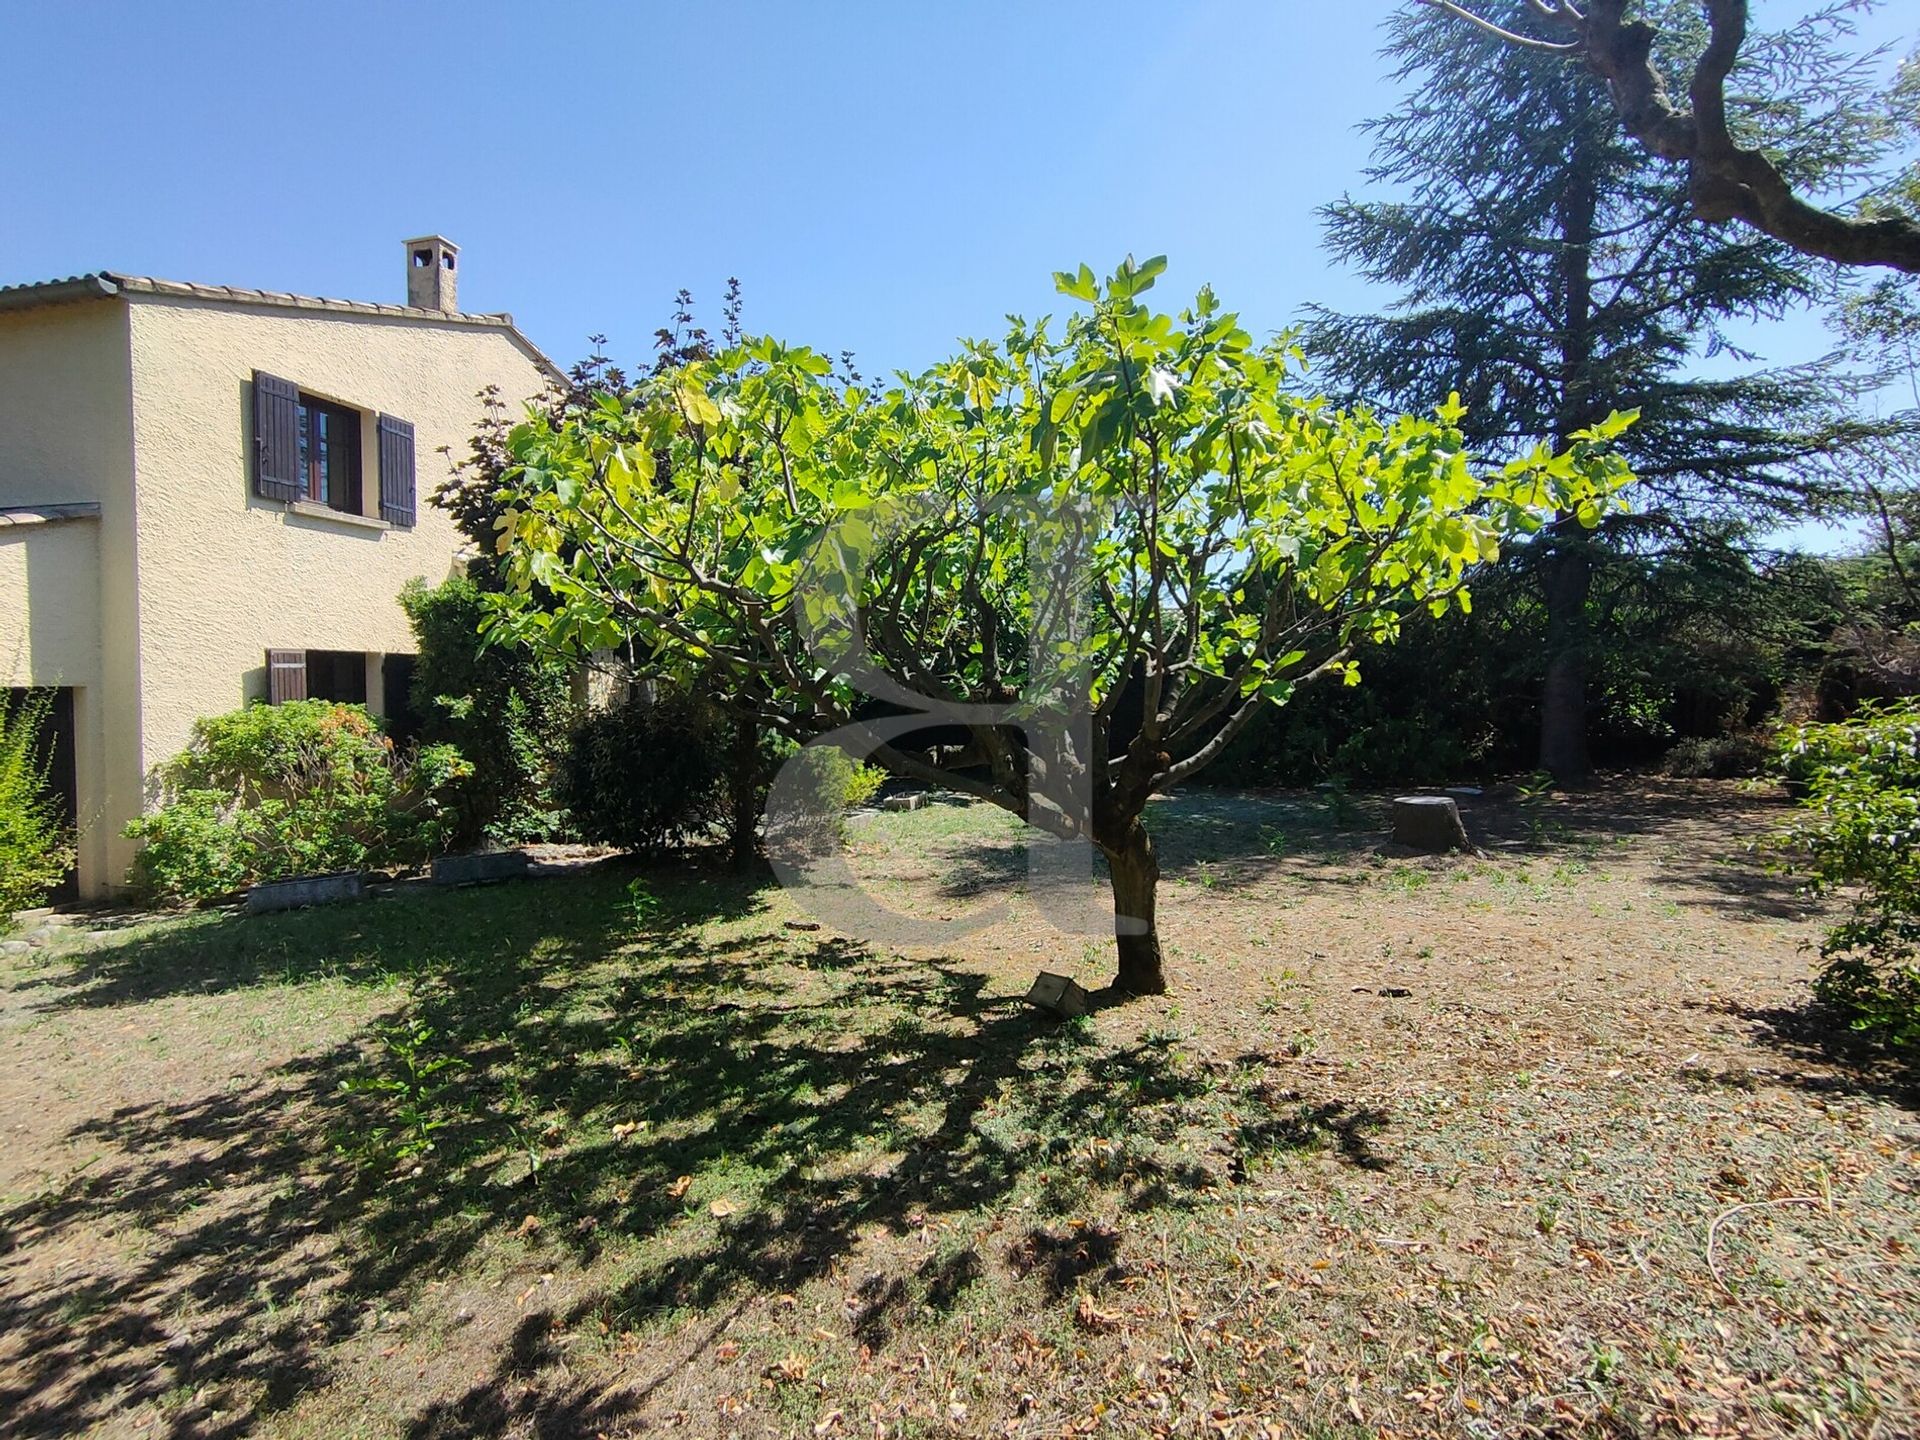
(396, 471)
(286, 676)
(276, 438)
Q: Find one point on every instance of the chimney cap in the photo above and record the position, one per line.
(432, 278)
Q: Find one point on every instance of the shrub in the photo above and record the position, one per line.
(1718, 757)
(846, 781)
(505, 708)
(36, 847)
(648, 774)
(835, 783)
(1859, 830)
(863, 784)
(274, 791)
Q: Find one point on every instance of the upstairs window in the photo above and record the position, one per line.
(330, 454)
(308, 449)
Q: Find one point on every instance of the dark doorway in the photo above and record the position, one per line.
(396, 697)
(56, 748)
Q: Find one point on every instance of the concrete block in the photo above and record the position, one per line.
(306, 890)
(1057, 995)
(478, 869)
(904, 802)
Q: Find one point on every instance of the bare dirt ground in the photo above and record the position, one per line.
(1544, 1142)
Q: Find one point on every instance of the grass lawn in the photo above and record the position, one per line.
(1542, 1143)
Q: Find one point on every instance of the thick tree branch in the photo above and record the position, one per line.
(1726, 180)
(1236, 722)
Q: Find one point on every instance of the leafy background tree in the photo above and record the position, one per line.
(1691, 653)
(523, 750)
(1550, 270)
(1880, 323)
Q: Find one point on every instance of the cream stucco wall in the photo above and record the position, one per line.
(50, 603)
(51, 633)
(225, 575)
(67, 588)
(162, 609)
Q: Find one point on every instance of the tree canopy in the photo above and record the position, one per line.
(1092, 550)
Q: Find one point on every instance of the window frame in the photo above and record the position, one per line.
(319, 463)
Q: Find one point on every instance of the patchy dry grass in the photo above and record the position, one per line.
(1540, 1143)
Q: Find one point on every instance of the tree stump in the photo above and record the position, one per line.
(1429, 822)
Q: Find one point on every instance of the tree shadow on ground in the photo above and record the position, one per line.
(1841, 1060)
(985, 870)
(754, 1103)
(1701, 871)
(1232, 838)
(393, 937)
(1309, 1124)
(237, 1204)
(1237, 838)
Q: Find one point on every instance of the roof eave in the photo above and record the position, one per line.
(106, 284)
(98, 286)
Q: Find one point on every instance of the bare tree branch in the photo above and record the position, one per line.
(1512, 37)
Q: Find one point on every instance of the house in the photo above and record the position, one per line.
(210, 496)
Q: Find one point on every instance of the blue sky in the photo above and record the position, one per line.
(883, 177)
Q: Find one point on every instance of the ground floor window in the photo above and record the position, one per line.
(338, 675)
(396, 696)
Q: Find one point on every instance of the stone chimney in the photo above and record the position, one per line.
(432, 276)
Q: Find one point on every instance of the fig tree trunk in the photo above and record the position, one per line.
(1136, 876)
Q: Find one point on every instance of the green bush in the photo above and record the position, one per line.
(1718, 757)
(1859, 832)
(838, 782)
(36, 848)
(648, 774)
(275, 791)
(505, 708)
(834, 783)
(862, 784)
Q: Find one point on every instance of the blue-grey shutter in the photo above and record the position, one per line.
(396, 471)
(276, 438)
